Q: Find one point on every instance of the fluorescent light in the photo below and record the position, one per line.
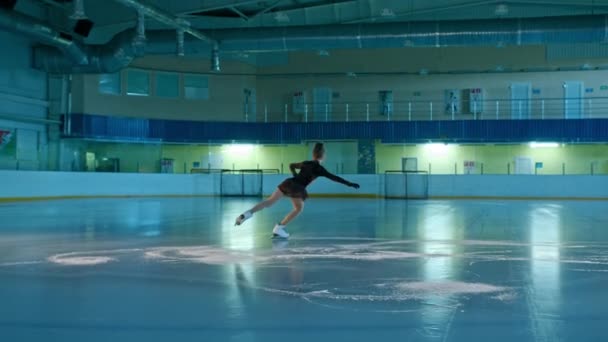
(535, 144)
(239, 149)
(437, 147)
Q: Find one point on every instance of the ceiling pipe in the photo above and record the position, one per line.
(141, 25)
(180, 47)
(215, 59)
(78, 13)
(488, 33)
(166, 18)
(108, 58)
(503, 32)
(18, 23)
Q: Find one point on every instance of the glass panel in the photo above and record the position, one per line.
(138, 83)
(167, 85)
(109, 84)
(196, 87)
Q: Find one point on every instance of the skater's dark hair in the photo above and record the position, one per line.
(318, 151)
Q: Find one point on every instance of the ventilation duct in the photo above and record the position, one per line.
(17, 23)
(78, 13)
(494, 33)
(124, 48)
(165, 18)
(504, 32)
(108, 58)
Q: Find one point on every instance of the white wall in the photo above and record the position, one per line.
(519, 186)
(61, 184)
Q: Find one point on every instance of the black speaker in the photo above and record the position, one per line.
(8, 4)
(83, 27)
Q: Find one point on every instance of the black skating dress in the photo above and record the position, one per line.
(295, 187)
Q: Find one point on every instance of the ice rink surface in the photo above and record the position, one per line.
(354, 270)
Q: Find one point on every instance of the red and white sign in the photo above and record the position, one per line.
(469, 167)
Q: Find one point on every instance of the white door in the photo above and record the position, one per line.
(321, 98)
(520, 101)
(573, 100)
(409, 164)
(523, 166)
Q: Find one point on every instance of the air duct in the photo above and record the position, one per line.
(491, 33)
(108, 58)
(78, 13)
(534, 31)
(18, 23)
(166, 18)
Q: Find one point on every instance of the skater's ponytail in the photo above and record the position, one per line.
(318, 151)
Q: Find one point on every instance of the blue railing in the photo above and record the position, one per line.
(431, 110)
(472, 131)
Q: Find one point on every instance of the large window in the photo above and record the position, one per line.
(196, 87)
(167, 85)
(138, 83)
(109, 84)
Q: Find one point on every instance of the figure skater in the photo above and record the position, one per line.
(295, 189)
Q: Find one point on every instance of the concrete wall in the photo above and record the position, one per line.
(23, 96)
(63, 184)
(496, 159)
(420, 90)
(385, 69)
(226, 93)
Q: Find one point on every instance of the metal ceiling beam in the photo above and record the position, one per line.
(556, 3)
(240, 14)
(297, 6)
(269, 8)
(481, 3)
(220, 7)
(427, 10)
(165, 18)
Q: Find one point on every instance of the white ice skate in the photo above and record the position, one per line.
(242, 218)
(279, 232)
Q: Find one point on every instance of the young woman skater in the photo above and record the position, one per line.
(295, 189)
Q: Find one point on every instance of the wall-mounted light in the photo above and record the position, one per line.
(535, 144)
(437, 147)
(239, 149)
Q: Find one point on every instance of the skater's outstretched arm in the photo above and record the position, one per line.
(329, 175)
(294, 166)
